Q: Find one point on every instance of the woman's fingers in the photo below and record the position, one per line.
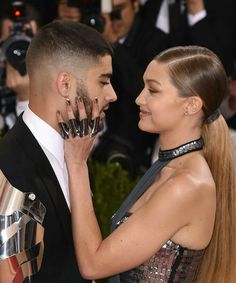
(83, 120)
(73, 123)
(95, 118)
(64, 128)
(79, 127)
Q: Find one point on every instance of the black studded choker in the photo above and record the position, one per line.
(166, 155)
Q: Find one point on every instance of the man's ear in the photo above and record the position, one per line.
(193, 105)
(63, 84)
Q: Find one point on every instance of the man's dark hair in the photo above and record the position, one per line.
(63, 40)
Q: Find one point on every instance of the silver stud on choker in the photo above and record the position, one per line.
(166, 155)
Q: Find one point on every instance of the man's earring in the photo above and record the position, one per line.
(68, 101)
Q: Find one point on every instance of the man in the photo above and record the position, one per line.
(64, 60)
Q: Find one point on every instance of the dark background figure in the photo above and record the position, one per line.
(47, 9)
(228, 107)
(214, 28)
(16, 31)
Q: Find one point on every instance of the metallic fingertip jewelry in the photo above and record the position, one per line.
(83, 128)
(74, 128)
(95, 126)
(64, 129)
(68, 101)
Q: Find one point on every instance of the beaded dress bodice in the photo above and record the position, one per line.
(171, 264)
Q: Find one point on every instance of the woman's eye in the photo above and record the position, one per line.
(151, 90)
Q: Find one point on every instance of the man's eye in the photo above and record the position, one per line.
(105, 83)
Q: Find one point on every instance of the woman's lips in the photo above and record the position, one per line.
(143, 113)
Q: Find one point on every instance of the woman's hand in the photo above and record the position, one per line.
(79, 135)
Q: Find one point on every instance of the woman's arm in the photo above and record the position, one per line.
(141, 236)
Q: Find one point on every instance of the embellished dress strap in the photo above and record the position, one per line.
(138, 190)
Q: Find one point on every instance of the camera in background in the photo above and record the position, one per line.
(14, 48)
(91, 11)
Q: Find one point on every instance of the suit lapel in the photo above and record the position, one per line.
(44, 171)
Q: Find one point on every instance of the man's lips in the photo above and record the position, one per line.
(102, 113)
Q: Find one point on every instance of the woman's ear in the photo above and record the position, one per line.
(64, 84)
(193, 105)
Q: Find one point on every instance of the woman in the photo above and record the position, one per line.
(179, 225)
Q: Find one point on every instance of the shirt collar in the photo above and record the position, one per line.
(47, 136)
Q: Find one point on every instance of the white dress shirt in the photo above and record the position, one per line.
(162, 21)
(52, 144)
(21, 105)
(10, 119)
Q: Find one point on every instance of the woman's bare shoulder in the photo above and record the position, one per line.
(190, 182)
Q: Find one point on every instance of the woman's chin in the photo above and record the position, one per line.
(142, 127)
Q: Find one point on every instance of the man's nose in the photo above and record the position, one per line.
(111, 96)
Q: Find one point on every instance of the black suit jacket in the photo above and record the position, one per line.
(27, 168)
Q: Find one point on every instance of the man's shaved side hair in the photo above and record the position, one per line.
(67, 43)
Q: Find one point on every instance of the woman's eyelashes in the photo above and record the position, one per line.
(153, 90)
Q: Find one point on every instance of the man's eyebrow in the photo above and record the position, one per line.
(106, 75)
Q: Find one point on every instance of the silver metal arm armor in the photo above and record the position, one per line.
(21, 233)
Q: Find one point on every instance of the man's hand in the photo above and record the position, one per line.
(195, 6)
(108, 32)
(19, 84)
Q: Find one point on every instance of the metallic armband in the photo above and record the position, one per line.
(21, 233)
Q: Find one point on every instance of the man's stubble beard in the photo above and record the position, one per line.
(82, 92)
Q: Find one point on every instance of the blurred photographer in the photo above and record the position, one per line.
(68, 12)
(207, 23)
(19, 22)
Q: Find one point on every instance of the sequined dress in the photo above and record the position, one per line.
(171, 264)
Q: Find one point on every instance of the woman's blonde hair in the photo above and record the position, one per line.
(197, 71)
